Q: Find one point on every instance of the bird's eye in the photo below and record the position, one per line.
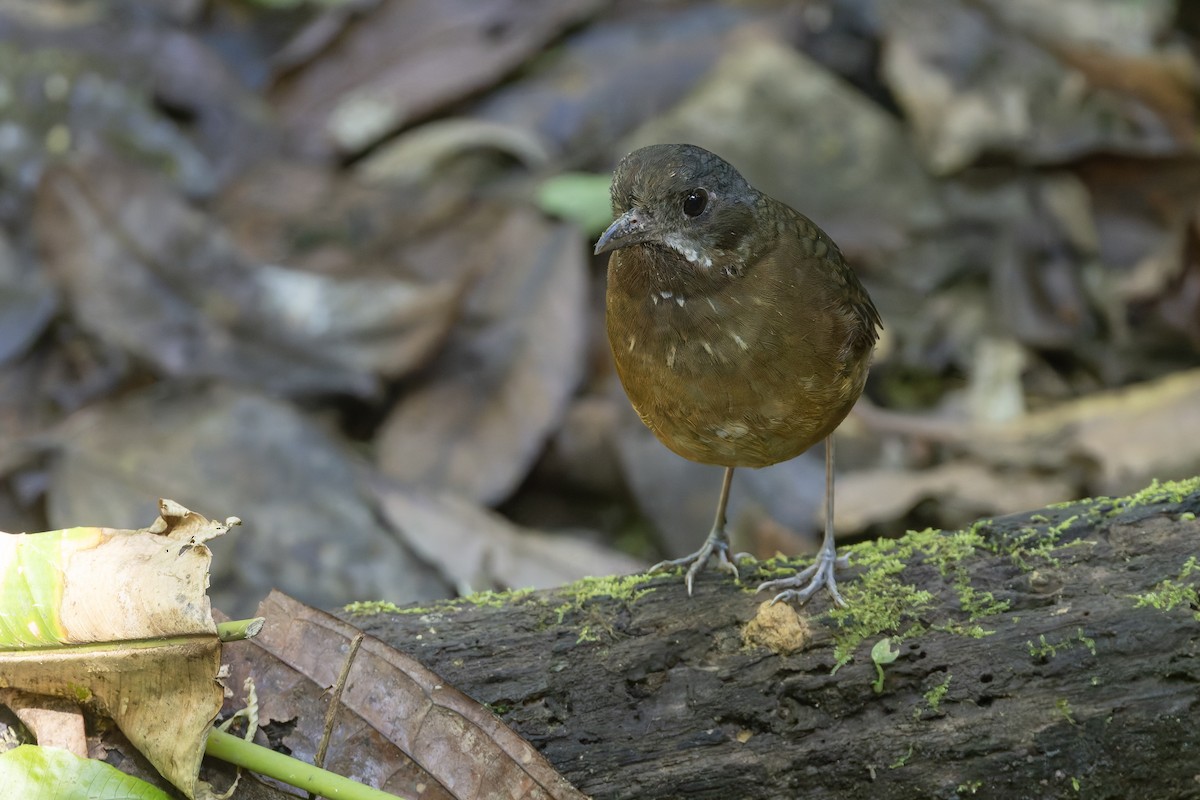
(695, 203)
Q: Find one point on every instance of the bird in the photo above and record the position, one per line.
(739, 333)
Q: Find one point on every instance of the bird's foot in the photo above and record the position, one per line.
(812, 578)
(716, 544)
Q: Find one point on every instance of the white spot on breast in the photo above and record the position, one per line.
(740, 341)
(707, 347)
(732, 430)
(679, 301)
(671, 358)
(711, 304)
(632, 342)
(666, 295)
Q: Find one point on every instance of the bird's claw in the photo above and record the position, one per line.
(820, 573)
(699, 559)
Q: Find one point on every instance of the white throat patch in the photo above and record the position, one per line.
(676, 243)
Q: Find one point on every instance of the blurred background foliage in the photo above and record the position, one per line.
(326, 266)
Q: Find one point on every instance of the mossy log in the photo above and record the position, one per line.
(1051, 654)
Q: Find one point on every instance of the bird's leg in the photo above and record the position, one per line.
(717, 544)
(821, 573)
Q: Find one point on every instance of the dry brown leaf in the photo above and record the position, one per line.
(413, 157)
(400, 728)
(1107, 443)
(98, 88)
(1147, 230)
(477, 422)
(27, 302)
(850, 167)
(332, 222)
(144, 271)
(405, 60)
(130, 630)
(1165, 84)
(602, 81)
(1180, 305)
(1039, 287)
(985, 76)
(1126, 436)
(53, 721)
(311, 525)
(478, 549)
(965, 489)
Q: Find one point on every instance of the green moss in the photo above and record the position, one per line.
(1187, 516)
(1055, 532)
(934, 696)
(958, 629)
(1162, 492)
(978, 604)
(877, 602)
(1037, 543)
(1064, 708)
(1098, 508)
(1170, 593)
(626, 588)
(969, 788)
(1065, 504)
(488, 599)
(366, 608)
(902, 760)
(1045, 650)
(1157, 492)
(770, 569)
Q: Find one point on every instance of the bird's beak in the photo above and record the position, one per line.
(632, 227)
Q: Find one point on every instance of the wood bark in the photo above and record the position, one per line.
(1075, 692)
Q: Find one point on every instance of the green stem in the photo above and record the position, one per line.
(237, 629)
(266, 761)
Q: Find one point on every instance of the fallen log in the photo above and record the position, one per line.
(1049, 654)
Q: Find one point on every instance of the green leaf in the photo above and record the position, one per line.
(581, 197)
(31, 584)
(882, 653)
(33, 773)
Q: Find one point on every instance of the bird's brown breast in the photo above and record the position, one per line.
(747, 364)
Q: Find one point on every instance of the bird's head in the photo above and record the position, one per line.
(682, 198)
